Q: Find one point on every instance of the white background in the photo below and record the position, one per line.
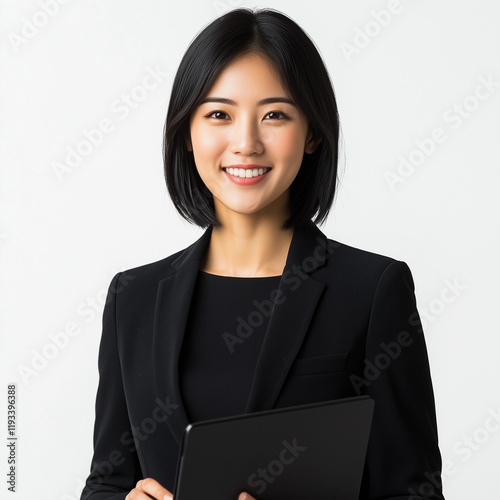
(63, 236)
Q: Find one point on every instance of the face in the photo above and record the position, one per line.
(248, 139)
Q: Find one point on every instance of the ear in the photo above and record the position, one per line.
(189, 145)
(312, 143)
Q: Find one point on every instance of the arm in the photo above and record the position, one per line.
(115, 468)
(403, 459)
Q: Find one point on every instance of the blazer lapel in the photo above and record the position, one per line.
(288, 323)
(296, 301)
(172, 308)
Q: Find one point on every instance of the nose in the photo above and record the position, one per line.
(246, 139)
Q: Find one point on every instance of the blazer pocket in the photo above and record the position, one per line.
(316, 365)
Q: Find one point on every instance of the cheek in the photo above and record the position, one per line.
(206, 144)
(289, 148)
(207, 152)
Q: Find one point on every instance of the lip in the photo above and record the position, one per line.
(246, 181)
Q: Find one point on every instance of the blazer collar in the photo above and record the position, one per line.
(285, 334)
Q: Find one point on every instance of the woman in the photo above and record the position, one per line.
(263, 310)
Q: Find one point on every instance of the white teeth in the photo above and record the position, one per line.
(248, 172)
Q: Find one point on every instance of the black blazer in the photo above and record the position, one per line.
(346, 324)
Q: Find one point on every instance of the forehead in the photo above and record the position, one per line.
(247, 76)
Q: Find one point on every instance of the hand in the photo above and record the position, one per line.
(148, 488)
(245, 496)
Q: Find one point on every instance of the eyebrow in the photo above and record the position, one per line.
(262, 102)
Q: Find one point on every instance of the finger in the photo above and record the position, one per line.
(136, 494)
(154, 488)
(245, 496)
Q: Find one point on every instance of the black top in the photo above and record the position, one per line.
(227, 323)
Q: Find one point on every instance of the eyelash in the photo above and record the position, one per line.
(283, 115)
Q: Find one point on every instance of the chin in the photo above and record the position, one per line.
(244, 209)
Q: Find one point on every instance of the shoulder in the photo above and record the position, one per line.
(146, 277)
(365, 268)
(362, 259)
(158, 269)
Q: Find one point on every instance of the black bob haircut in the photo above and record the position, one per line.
(278, 39)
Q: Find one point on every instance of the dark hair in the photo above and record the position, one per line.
(287, 47)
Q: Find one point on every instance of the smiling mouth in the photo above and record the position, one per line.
(246, 172)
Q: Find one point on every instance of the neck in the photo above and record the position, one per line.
(248, 245)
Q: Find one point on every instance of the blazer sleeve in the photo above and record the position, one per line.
(403, 458)
(115, 467)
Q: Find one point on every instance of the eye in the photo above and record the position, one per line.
(279, 113)
(222, 115)
(216, 115)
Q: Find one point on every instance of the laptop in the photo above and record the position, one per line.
(315, 451)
